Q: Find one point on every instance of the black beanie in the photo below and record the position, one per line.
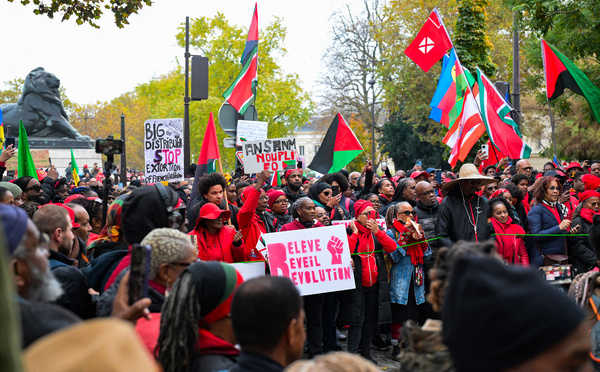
(316, 189)
(145, 210)
(497, 316)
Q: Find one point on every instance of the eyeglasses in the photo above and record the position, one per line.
(264, 197)
(37, 187)
(282, 201)
(408, 213)
(492, 187)
(185, 264)
(553, 188)
(430, 192)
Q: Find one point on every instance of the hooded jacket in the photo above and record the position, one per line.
(455, 219)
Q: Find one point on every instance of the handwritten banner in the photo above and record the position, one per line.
(346, 223)
(41, 159)
(274, 154)
(316, 264)
(163, 150)
(251, 131)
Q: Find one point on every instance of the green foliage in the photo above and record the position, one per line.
(88, 11)
(471, 41)
(12, 90)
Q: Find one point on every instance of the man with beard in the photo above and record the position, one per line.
(463, 215)
(56, 222)
(32, 190)
(35, 284)
(293, 189)
(322, 216)
(82, 233)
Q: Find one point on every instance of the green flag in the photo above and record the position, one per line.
(25, 161)
(74, 169)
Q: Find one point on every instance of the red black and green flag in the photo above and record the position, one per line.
(561, 73)
(242, 92)
(340, 146)
(207, 161)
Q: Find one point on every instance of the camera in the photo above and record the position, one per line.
(110, 146)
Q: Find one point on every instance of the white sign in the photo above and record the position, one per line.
(250, 270)
(251, 131)
(163, 149)
(317, 262)
(275, 154)
(346, 223)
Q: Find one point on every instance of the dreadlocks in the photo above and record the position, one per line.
(176, 346)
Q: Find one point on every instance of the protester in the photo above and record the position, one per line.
(509, 236)
(267, 318)
(427, 213)
(321, 216)
(213, 240)
(407, 277)
(463, 215)
(595, 168)
(353, 178)
(405, 191)
(548, 216)
(196, 332)
(483, 336)
(32, 190)
(591, 181)
(376, 201)
(293, 187)
(524, 167)
(6, 197)
(582, 253)
(82, 234)
(488, 190)
(211, 189)
(385, 190)
(278, 204)
(322, 195)
(303, 212)
(359, 308)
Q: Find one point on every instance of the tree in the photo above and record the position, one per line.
(471, 41)
(12, 92)
(88, 11)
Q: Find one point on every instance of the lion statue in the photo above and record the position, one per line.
(40, 108)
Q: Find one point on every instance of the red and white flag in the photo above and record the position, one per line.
(431, 43)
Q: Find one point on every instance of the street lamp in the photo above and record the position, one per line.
(371, 85)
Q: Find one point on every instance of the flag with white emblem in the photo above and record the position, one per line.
(431, 43)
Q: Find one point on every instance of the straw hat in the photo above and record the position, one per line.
(99, 345)
(468, 172)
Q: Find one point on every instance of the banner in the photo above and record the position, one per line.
(250, 131)
(274, 154)
(41, 159)
(346, 223)
(163, 149)
(317, 262)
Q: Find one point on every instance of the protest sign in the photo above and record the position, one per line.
(249, 270)
(317, 262)
(276, 154)
(163, 149)
(251, 131)
(41, 159)
(346, 223)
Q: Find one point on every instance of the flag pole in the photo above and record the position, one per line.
(224, 191)
(553, 126)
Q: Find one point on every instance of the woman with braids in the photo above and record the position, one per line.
(384, 189)
(509, 245)
(303, 212)
(195, 322)
(581, 249)
(407, 277)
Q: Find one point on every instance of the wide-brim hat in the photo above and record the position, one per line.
(210, 211)
(468, 172)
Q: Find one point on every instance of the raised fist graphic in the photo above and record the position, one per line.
(335, 247)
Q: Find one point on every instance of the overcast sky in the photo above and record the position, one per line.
(100, 64)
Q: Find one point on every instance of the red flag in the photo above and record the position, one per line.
(207, 161)
(431, 43)
(469, 129)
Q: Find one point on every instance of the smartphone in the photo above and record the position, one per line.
(419, 163)
(485, 151)
(139, 271)
(110, 146)
(384, 164)
(336, 190)
(9, 141)
(438, 176)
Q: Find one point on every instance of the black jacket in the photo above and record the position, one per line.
(351, 300)
(253, 362)
(105, 259)
(580, 248)
(76, 298)
(194, 212)
(47, 189)
(455, 218)
(291, 196)
(39, 319)
(282, 219)
(213, 363)
(427, 218)
(108, 297)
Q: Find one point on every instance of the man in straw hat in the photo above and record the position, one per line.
(463, 215)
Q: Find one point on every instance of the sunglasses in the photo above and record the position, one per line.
(37, 187)
(184, 264)
(326, 193)
(408, 213)
(553, 188)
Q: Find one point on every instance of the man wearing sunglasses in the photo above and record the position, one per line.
(32, 189)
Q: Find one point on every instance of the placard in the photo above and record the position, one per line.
(317, 262)
(250, 270)
(250, 131)
(276, 154)
(163, 149)
(41, 159)
(346, 223)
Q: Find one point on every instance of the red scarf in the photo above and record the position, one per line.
(365, 239)
(508, 245)
(385, 197)
(211, 344)
(587, 214)
(415, 251)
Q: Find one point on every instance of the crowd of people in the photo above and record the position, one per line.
(445, 268)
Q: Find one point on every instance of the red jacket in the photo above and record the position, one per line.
(218, 247)
(251, 225)
(296, 225)
(370, 271)
(510, 247)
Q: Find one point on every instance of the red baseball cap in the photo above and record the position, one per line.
(416, 174)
